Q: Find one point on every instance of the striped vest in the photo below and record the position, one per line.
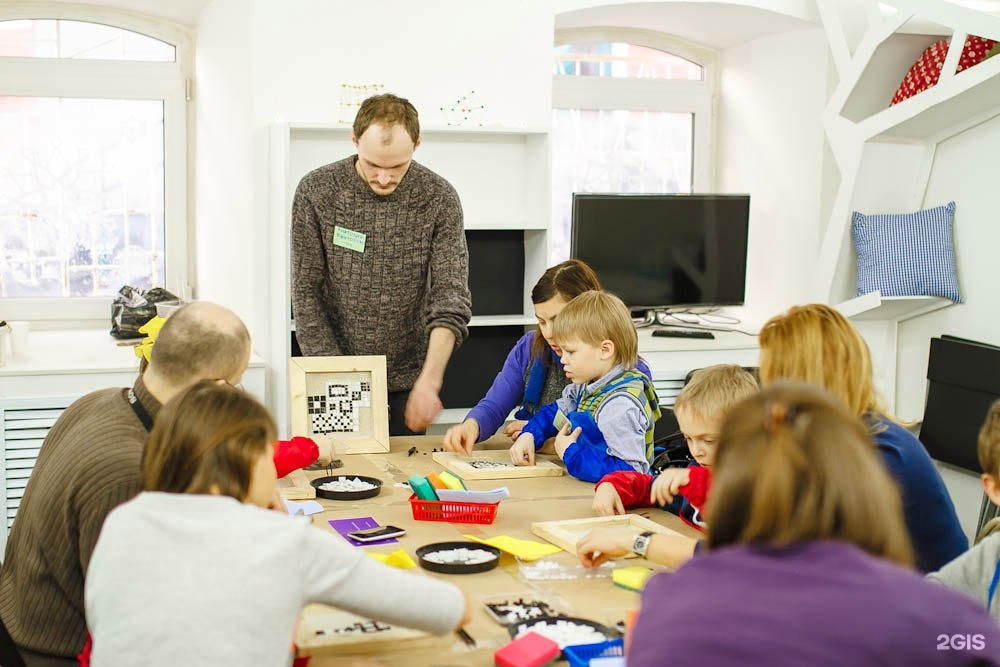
(634, 383)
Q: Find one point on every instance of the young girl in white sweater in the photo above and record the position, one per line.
(196, 571)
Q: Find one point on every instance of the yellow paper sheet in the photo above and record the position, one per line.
(398, 558)
(523, 549)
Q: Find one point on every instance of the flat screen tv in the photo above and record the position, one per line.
(665, 251)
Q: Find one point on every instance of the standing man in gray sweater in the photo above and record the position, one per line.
(379, 261)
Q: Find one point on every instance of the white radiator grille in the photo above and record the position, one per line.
(25, 422)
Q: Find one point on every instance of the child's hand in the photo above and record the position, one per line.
(667, 485)
(564, 438)
(602, 544)
(607, 502)
(462, 438)
(513, 429)
(522, 452)
(278, 503)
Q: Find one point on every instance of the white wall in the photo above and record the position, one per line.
(771, 145)
(225, 242)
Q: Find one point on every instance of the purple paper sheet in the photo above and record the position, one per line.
(345, 526)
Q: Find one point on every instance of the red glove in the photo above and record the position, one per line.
(290, 455)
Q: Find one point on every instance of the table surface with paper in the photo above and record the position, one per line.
(556, 579)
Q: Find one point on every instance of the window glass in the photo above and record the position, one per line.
(51, 38)
(615, 151)
(619, 60)
(81, 196)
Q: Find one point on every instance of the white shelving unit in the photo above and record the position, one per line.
(895, 144)
(502, 176)
(878, 318)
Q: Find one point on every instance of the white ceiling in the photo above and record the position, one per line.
(717, 25)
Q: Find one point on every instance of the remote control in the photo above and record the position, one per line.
(683, 333)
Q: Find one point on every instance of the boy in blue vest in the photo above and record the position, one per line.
(604, 420)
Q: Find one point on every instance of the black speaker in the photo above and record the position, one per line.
(964, 381)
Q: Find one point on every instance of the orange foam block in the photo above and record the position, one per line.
(436, 481)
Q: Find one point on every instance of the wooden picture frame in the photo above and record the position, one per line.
(565, 534)
(356, 386)
(462, 465)
(317, 634)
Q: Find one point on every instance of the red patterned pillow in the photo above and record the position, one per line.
(926, 71)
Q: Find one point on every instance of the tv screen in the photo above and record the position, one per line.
(665, 251)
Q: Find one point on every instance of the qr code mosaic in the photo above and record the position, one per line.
(338, 410)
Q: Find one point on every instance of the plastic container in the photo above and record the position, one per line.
(167, 308)
(455, 512)
(582, 654)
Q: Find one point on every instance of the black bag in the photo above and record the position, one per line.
(132, 308)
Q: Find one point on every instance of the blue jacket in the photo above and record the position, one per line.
(507, 390)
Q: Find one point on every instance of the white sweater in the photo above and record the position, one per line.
(181, 579)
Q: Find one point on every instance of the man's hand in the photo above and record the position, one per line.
(422, 407)
(603, 544)
(522, 452)
(462, 438)
(667, 485)
(565, 438)
(513, 429)
(607, 501)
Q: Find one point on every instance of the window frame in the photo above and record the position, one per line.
(112, 79)
(675, 96)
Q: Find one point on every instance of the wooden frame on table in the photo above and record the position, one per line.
(464, 466)
(356, 386)
(565, 534)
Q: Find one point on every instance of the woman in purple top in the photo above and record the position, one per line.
(807, 560)
(532, 375)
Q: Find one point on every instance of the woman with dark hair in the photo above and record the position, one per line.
(532, 375)
(200, 534)
(807, 560)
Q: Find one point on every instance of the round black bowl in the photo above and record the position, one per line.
(346, 495)
(457, 568)
(516, 628)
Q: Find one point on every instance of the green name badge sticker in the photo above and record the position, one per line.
(348, 238)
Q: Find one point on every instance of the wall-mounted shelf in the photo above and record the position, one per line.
(501, 320)
(950, 103)
(874, 306)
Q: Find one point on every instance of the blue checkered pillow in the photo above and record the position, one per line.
(907, 254)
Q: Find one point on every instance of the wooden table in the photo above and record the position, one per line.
(537, 499)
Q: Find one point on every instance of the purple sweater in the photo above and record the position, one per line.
(817, 604)
(507, 390)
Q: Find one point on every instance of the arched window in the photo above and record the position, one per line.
(93, 166)
(632, 112)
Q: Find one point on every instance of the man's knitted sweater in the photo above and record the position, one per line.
(87, 466)
(411, 277)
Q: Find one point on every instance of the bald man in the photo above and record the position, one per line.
(88, 465)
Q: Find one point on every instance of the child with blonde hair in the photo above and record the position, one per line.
(977, 571)
(604, 419)
(200, 532)
(700, 408)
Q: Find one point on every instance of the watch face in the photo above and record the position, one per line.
(641, 544)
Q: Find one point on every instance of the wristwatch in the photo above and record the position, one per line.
(641, 543)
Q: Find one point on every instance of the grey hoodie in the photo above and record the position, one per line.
(973, 573)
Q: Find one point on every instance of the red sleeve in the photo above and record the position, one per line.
(698, 486)
(290, 455)
(633, 487)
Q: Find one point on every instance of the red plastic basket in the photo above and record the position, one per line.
(456, 512)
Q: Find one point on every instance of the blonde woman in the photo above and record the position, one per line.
(816, 344)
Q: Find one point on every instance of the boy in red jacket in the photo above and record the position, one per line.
(700, 408)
